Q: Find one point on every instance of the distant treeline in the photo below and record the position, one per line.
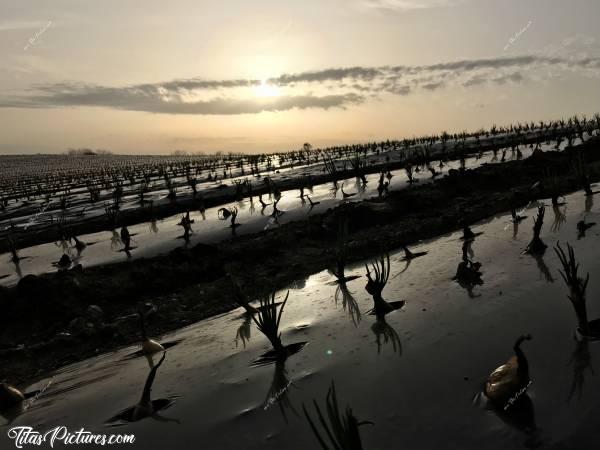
(87, 152)
(202, 153)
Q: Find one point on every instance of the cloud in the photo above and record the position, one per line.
(355, 73)
(323, 89)
(155, 99)
(433, 86)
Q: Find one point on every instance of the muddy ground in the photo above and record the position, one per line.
(55, 319)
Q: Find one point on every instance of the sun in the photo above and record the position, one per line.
(266, 89)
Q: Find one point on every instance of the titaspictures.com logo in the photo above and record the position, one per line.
(24, 437)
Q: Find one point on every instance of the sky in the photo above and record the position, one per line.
(153, 77)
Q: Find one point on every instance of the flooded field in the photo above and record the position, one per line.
(416, 374)
(161, 236)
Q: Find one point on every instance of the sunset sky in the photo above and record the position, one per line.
(151, 77)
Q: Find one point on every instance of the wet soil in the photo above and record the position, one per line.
(55, 319)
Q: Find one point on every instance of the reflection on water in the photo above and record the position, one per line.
(349, 303)
(449, 344)
(560, 218)
(468, 274)
(146, 407)
(153, 240)
(581, 361)
(243, 333)
(582, 227)
(385, 333)
(279, 391)
(544, 270)
(115, 240)
(589, 203)
(343, 294)
(521, 416)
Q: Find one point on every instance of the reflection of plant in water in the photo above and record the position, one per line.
(382, 186)
(343, 428)
(276, 212)
(576, 284)
(515, 229)
(342, 293)
(589, 203)
(544, 270)
(263, 204)
(63, 244)
(581, 360)
(382, 329)
(111, 214)
(267, 320)
(560, 218)
(278, 392)
(115, 240)
(146, 407)
(409, 173)
(348, 302)
(243, 331)
(153, 226)
(553, 187)
(14, 249)
(361, 188)
(186, 223)
(468, 274)
(521, 416)
(582, 227)
(126, 238)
